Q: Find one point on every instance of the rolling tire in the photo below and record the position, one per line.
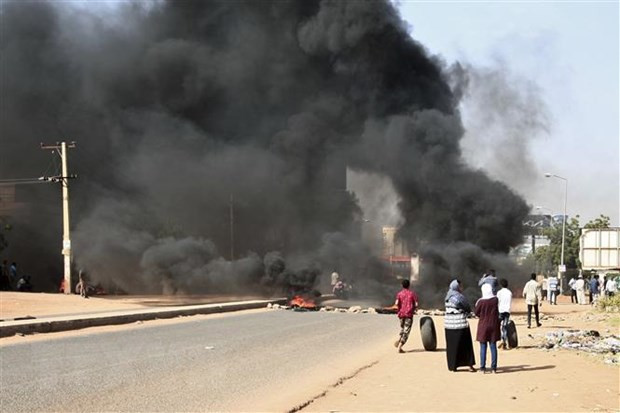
(511, 332)
(428, 333)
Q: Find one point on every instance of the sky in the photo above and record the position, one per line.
(563, 56)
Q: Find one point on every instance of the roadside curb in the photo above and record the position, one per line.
(55, 324)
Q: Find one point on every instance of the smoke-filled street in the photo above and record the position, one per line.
(250, 361)
(181, 159)
(214, 140)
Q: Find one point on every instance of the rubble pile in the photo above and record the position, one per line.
(589, 341)
(431, 312)
(354, 310)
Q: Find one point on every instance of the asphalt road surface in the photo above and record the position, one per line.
(268, 360)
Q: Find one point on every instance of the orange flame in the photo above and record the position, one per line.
(301, 302)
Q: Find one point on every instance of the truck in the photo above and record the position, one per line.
(599, 249)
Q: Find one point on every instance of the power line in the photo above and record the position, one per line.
(25, 181)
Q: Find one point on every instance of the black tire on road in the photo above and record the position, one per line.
(511, 332)
(428, 333)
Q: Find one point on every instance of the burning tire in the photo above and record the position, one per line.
(511, 332)
(428, 333)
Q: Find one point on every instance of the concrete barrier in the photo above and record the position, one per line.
(75, 322)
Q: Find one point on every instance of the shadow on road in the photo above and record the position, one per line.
(523, 367)
(420, 350)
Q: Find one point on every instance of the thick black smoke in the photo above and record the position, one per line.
(179, 107)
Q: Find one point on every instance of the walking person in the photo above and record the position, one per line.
(82, 287)
(459, 347)
(407, 302)
(334, 279)
(489, 278)
(13, 274)
(488, 334)
(531, 293)
(580, 286)
(594, 289)
(545, 289)
(553, 284)
(573, 291)
(504, 299)
(611, 287)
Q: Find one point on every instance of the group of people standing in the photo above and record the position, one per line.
(492, 310)
(595, 287)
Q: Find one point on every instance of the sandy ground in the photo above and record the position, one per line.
(530, 379)
(15, 304)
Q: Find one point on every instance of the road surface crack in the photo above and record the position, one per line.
(333, 386)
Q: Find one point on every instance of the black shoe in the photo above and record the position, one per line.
(538, 325)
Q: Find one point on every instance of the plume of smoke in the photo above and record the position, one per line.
(504, 114)
(189, 115)
(465, 262)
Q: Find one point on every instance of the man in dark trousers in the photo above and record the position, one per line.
(532, 295)
(406, 302)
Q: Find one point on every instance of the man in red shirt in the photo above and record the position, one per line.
(407, 302)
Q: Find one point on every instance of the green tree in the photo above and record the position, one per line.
(601, 222)
(543, 262)
(553, 253)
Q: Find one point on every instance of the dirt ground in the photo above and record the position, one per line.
(16, 304)
(529, 379)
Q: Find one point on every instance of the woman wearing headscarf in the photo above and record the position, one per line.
(459, 348)
(488, 333)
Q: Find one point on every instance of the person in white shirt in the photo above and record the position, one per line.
(335, 278)
(504, 297)
(573, 291)
(545, 289)
(580, 287)
(532, 295)
(611, 287)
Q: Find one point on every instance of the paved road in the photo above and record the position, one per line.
(246, 361)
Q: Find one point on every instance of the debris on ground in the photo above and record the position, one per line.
(431, 312)
(589, 341)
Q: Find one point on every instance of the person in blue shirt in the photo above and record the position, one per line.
(13, 274)
(553, 286)
(490, 278)
(594, 290)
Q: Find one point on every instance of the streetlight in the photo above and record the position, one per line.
(549, 175)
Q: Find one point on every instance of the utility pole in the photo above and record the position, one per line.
(232, 229)
(66, 234)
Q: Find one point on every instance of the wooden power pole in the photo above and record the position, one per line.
(66, 233)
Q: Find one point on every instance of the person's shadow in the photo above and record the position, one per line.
(523, 367)
(421, 350)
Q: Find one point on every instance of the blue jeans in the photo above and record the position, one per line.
(483, 354)
(504, 319)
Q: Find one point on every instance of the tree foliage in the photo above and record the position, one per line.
(549, 257)
(601, 222)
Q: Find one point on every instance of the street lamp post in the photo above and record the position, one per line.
(549, 175)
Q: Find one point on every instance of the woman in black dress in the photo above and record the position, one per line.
(459, 348)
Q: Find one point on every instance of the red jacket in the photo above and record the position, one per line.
(488, 323)
(406, 300)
